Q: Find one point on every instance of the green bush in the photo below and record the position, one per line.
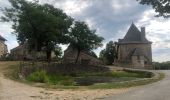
(38, 76)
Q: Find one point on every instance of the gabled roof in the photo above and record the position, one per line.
(134, 35)
(1, 38)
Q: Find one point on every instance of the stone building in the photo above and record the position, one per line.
(22, 52)
(70, 55)
(134, 50)
(3, 47)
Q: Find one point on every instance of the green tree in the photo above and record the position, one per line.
(108, 55)
(41, 26)
(162, 7)
(102, 56)
(58, 52)
(84, 39)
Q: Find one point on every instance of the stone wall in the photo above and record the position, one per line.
(3, 49)
(21, 52)
(125, 49)
(59, 68)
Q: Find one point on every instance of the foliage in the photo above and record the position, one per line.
(41, 26)
(108, 55)
(163, 65)
(38, 76)
(84, 39)
(84, 79)
(127, 84)
(58, 52)
(162, 7)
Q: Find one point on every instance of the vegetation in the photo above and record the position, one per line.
(58, 52)
(84, 79)
(161, 66)
(128, 83)
(84, 39)
(162, 7)
(123, 78)
(39, 76)
(108, 55)
(41, 26)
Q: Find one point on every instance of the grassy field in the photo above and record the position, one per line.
(102, 80)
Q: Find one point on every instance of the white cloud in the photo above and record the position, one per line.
(158, 32)
(112, 19)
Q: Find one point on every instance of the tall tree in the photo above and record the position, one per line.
(41, 26)
(84, 39)
(58, 52)
(162, 7)
(108, 55)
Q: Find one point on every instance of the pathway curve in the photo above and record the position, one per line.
(156, 91)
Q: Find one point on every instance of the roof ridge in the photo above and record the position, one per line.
(2, 38)
(134, 35)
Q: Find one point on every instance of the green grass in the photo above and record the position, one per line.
(117, 74)
(128, 83)
(122, 79)
(61, 80)
(38, 76)
(58, 81)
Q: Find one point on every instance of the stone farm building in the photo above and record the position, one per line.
(70, 55)
(3, 47)
(134, 50)
(22, 52)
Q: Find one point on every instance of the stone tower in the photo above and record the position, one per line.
(134, 50)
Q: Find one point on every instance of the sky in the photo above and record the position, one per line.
(111, 19)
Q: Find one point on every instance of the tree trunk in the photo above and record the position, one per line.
(78, 54)
(48, 53)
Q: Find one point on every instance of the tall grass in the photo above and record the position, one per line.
(38, 76)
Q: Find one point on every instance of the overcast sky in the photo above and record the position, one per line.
(111, 19)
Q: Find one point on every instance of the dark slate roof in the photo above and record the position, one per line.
(1, 38)
(134, 35)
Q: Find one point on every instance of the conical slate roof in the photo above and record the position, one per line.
(134, 35)
(1, 38)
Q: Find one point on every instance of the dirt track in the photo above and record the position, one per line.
(12, 90)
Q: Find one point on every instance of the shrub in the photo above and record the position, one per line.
(38, 76)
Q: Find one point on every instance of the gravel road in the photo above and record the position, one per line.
(156, 91)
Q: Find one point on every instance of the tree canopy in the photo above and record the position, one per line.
(84, 39)
(41, 26)
(162, 7)
(162, 65)
(108, 55)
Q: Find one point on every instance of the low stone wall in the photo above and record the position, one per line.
(59, 68)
